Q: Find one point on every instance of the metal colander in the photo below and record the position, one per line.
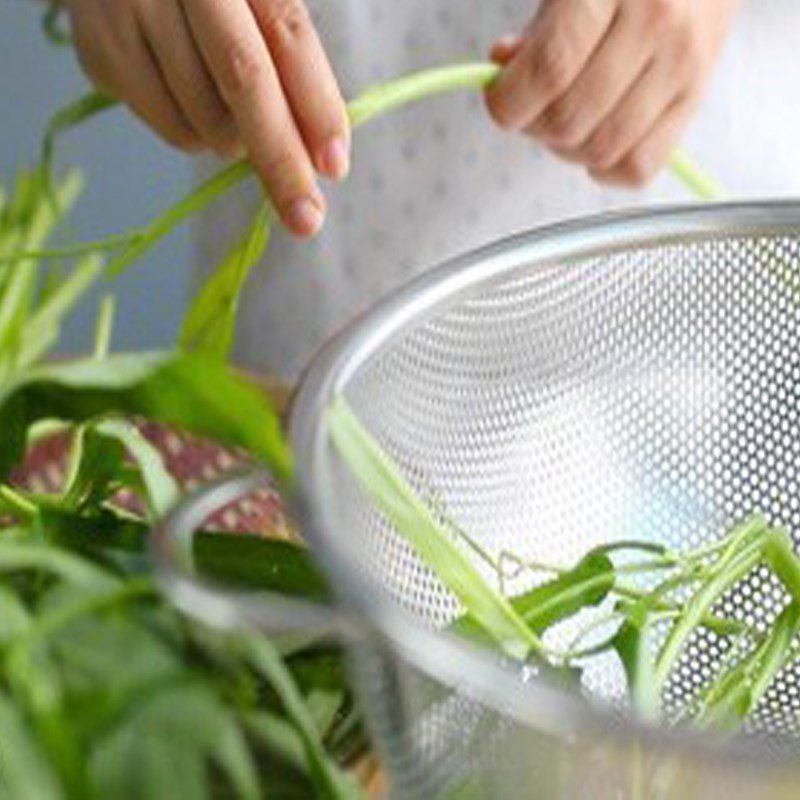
(630, 376)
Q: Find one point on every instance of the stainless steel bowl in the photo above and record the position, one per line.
(630, 375)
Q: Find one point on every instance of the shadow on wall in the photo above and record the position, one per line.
(130, 177)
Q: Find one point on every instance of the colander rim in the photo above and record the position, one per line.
(442, 656)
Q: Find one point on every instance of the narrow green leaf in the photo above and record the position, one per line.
(44, 325)
(189, 206)
(710, 591)
(588, 584)
(209, 324)
(14, 503)
(279, 737)
(19, 557)
(24, 768)
(777, 650)
(735, 694)
(147, 755)
(233, 755)
(393, 495)
(161, 490)
(19, 290)
(331, 784)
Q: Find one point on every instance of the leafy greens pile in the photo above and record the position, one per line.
(105, 690)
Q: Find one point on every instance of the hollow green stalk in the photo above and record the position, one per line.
(104, 326)
(373, 102)
(700, 604)
(779, 554)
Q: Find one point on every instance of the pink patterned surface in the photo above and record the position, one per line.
(192, 461)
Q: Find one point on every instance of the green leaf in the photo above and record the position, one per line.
(99, 467)
(330, 783)
(588, 584)
(257, 563)
(172, 736)
(73, 605)
(735, 694)
(21, 276)
(23, 557)
(209, 324)
(94, 466)
(197, 393)
(105, 658)
(320, 675)
(709, 592)
(15, 504)
(279, 737)
(161, 489)
(233, 755)
(776, 651)
(15, 619)
(44, 325)
(434, 543)
(24, 768)
(243, 560)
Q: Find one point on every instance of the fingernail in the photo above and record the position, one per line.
(506, 48)
(304, 216)
(334, 159)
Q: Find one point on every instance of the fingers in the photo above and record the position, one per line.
(308, 83)
(608, 75)
(637, 113)
(557, 48)
(166, 29)
(605, 83)
(117, 58)
(639, 166)
(237, 57)
(238, 74)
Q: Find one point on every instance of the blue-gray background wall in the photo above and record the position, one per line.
(130, 177)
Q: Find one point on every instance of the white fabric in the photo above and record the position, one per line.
(439, 179)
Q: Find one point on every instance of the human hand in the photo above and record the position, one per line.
(238, 77)
(610, 84)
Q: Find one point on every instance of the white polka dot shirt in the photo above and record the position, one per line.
(438, 179)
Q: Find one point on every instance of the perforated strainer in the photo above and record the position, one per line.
(630, 376)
